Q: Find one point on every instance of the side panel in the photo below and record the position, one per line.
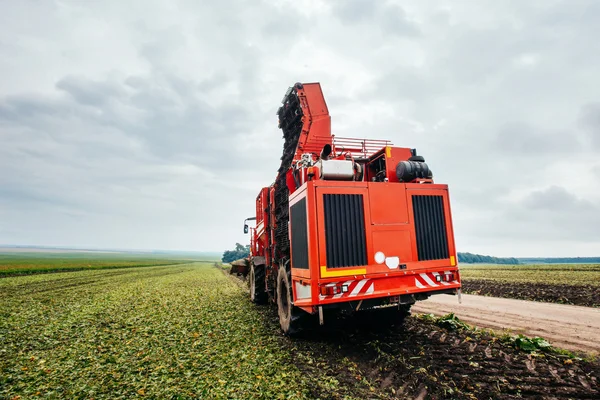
(299, 234)
(345, 240)
(344, 228)
(430, 227)
(302, 263)
(429, 212)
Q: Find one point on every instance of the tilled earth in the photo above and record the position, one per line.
(581, 295)
(419, 359)
(422, 360)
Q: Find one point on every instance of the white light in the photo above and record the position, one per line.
(379, 257)
(392, 262)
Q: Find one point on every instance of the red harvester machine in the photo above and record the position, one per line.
(349, 224)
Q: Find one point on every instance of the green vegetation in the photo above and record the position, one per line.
(160, 332)
(240, 251)
(570, 274)
(36, 262)
(520, 342)
(189, 331)
(470, 258)
(451, 322)
(528, 344)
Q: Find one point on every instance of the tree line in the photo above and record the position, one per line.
(240, 251)
(470, 258)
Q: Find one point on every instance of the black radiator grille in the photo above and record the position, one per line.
(430, 227)
(299, 235)
(344, 230)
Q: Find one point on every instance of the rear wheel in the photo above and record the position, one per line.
(258, 293)
(290, 317)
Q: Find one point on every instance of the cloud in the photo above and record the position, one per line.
(390, 17)
(562, 213)
(153, 125)
(525, 140)
(590, 122)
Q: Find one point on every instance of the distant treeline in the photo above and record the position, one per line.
(240, 251)
(470, 258)
(563, 260)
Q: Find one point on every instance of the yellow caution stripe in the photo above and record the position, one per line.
(343, 272)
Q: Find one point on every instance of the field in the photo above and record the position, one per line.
(558, 283)
(20, 263)
(189, 331)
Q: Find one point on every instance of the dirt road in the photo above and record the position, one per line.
(565, 326)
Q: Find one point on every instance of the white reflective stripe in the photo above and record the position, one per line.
(358, 287)
(371, 289)
(441, 281)
(419, 284)
(428, 280)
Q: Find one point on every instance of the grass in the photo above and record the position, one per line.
(30, 263)
(182, 331)
(569, 274)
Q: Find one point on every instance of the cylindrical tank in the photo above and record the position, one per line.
(336, 170)
(408, 171)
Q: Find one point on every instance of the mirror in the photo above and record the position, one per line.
(245, 228)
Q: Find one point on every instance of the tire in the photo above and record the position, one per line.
(258, 294)
(290, 317)
(417, 158)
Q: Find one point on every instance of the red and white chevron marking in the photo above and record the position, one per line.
(429, 280)
(355, 288)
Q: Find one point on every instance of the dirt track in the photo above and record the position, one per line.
(565, 326)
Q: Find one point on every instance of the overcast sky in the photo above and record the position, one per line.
(151, 124)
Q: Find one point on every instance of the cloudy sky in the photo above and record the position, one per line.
(151, 124)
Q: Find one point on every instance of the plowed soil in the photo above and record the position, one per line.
(581, 295)
(420, 360)
(566, 326)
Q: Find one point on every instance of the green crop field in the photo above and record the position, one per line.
(38, 262)
(189, 331)
(570, 274)
(161, 332)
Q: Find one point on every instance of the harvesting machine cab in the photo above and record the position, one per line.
(349, 224)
